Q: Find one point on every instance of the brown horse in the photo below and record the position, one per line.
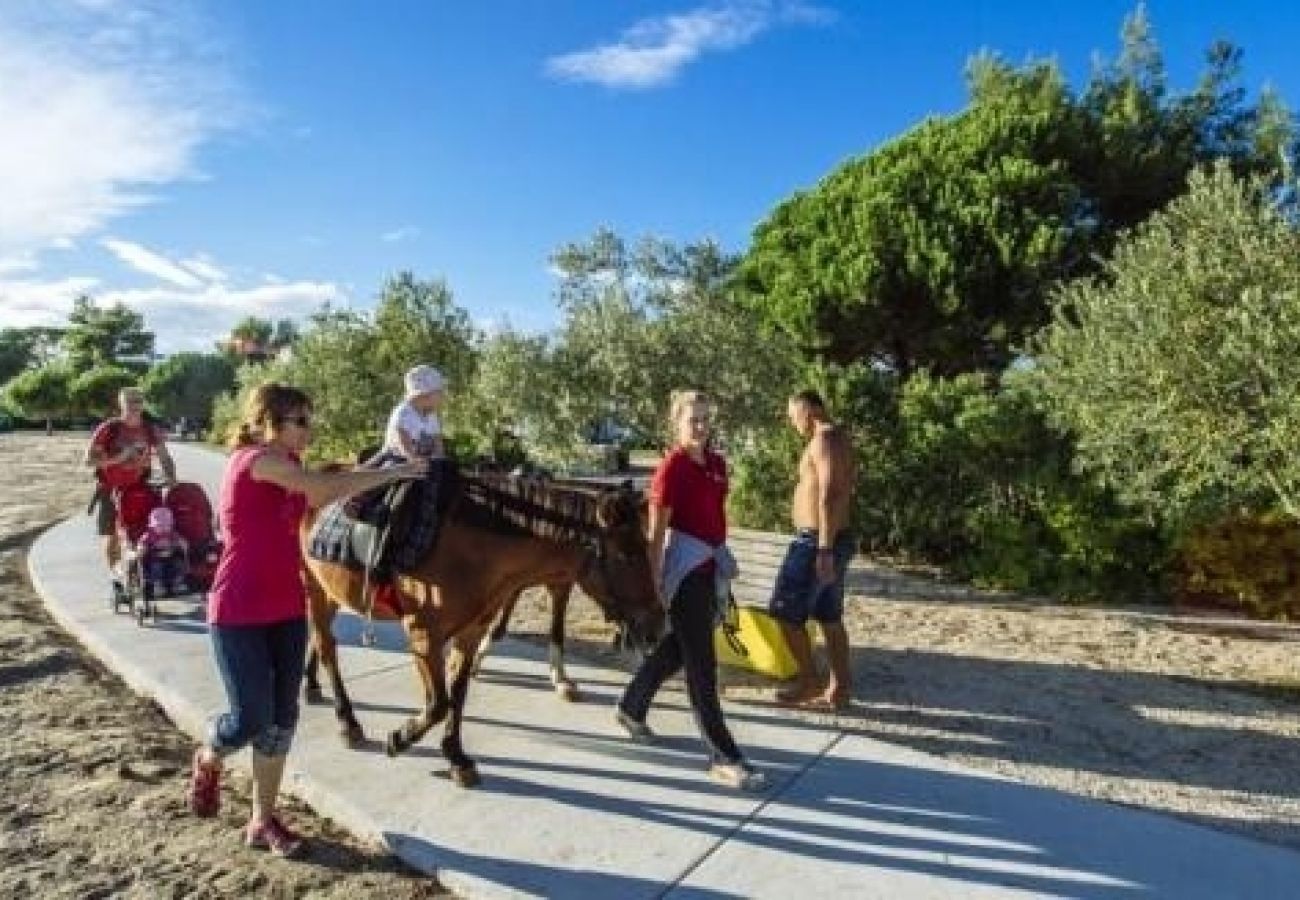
(559, 595)
(497, 537)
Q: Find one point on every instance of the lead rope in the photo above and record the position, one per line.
(367, 592)
(367, 595)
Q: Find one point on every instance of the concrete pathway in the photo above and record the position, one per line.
(567, 808)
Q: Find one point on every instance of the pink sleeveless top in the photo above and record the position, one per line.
(259, 577)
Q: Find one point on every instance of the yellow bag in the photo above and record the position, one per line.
(764, 643)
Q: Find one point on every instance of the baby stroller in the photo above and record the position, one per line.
(150, 571)
(195, 523)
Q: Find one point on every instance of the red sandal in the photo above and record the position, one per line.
(275, 836)
(205, 786)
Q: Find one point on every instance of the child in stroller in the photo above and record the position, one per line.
(170, 545)
(164, 554)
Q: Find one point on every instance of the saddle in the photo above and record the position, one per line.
(399, 529)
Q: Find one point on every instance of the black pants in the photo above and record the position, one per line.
(689, 642)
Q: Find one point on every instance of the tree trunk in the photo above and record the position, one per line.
(49, 426)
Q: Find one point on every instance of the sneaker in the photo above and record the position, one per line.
(205, 786)
(738, 775)
(273, 835)
(637, 731)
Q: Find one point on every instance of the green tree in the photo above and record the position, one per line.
(95, 391)
(521, 389)
(352, 365)
(641, 322)
(186, 384)
(22, 348)
(106, 336)
(286, 331)
(253, 331)
(41, 393)
(419, 322)
(937, 251)
(1178, 368)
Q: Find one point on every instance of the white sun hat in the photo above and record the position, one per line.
(422, 380)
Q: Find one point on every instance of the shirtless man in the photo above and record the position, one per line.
(810, 583)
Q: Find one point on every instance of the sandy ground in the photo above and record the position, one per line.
(1189, 715)
(92, 778)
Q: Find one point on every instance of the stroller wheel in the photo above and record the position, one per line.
(117, 596)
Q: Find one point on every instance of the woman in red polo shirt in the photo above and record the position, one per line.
(688, 535)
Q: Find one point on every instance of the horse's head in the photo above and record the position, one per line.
(618, 574)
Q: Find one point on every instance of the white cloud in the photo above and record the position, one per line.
(23, 262)
(190, 307)
(399, 234)
(25, 303)
(653, 51)
(104, 102)
(181, 319)
(145, 260)
(203, 266)
(194, 320)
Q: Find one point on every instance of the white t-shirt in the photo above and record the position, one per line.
(420, 427)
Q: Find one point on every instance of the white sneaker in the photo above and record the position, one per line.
(637, 731)
(738, 775)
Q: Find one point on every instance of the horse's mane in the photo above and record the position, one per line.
(511, 505)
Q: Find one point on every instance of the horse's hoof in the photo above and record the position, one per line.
(465, 776)
(568, 691)
(395, 744)
(353, 735)
(313, 694)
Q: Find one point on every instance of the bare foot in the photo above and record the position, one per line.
(798, 694)
(835, 701)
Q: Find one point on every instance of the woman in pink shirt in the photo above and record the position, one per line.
(257, 607)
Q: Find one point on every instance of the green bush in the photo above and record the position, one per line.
(762, 479)
(1253, 560)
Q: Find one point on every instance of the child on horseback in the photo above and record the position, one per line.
(414, 429)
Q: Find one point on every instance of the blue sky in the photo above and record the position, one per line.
(203, 161)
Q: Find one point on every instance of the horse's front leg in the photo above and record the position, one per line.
(324, 649)
(426, 646)
(463, 770)
(560, 594)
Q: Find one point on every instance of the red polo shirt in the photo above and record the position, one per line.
(696, 494)
(114, 435)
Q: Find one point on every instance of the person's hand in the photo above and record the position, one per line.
(825, 566)
(416, 468)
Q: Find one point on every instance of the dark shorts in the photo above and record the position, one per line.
(798, 596)
(261, 667)
(105, 515)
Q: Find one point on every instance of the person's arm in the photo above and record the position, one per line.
(97, 456)
(409, 447)
(323, 488)
(658, 525)
(830, 472)
(165, 460)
